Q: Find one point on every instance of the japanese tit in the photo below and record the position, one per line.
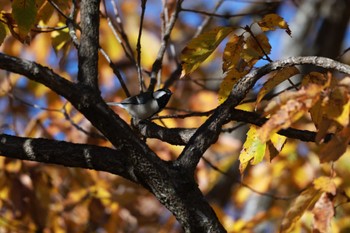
(146, 104)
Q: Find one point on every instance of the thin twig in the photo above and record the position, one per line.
(116, 72)
(207, 20)
(226, 16)
(58, 9)
(78, 127)
(117, 26)
(72, 26)
(138, 45)
(157, 65)
(247, 28)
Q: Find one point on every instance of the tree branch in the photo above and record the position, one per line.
(89, 44)
(66, 154)
(38, 73)
(208, 133)
(157, 65)
(181, 136)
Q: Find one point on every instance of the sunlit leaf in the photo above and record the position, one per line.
(201, 47)
(326, 184)
(24, 12)
(230, 79)
(304, 201)
(60, 38)
(277, 77)
(253, 149)
(336, 147)
(272, 22)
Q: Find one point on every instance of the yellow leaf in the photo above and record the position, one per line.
(256, 47)
(232, 53)
(201, 47)
(277, 77)
(60, 37)
(24, 13)
(336, 147)
(253, 149)
(230, 79)
(271, 22)
(343, 118)
(325, 184)
(275, 145)
(304, 201)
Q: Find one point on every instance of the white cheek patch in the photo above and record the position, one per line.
(158, 94)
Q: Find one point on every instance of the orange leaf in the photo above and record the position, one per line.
(286, 111)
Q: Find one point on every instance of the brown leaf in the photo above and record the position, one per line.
(336, 147)
(323, 213)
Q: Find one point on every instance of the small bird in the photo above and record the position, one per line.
(145, 104)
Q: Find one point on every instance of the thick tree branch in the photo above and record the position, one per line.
(65, 153)
(208, 133)
(89, 44)
(38, 73)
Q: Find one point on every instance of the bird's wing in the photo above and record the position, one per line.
(138, 99)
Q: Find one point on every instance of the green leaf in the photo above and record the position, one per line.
(201, 47)
(24, 12)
